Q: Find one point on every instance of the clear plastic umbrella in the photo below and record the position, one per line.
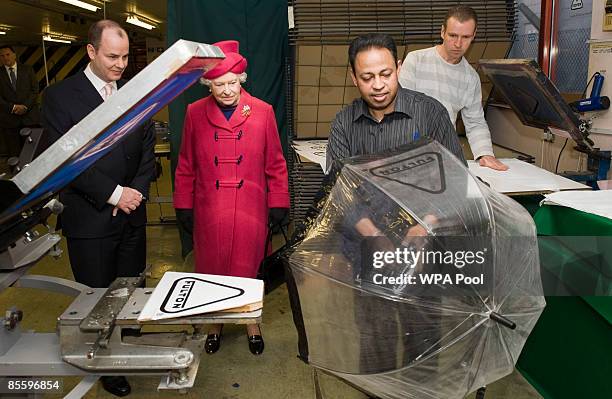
(415, 280)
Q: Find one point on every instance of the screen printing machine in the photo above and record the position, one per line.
(537, 103)
(90, 340)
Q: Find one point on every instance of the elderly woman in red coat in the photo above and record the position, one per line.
(231, 178)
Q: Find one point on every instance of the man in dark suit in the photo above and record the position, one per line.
(18, 99)
(104, 215)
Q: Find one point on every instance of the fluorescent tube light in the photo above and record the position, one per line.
(48, 38)
(133, 19)
(81, 4)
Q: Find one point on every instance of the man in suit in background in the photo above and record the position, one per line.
(104, 216)
(18, 99)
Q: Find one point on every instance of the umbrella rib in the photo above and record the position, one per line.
(453, 342)
(479, 361)
(505, 346)
(492, 223)
(512, 287)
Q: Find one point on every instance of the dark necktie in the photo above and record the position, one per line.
(13, 78)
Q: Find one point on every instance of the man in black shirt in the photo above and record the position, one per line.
(386, 116)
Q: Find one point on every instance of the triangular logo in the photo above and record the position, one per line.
(423, 172)
(189, 293)
(576, 4)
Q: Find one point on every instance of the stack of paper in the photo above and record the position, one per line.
(306, 175)
(312, 150)
(188, 294)
(523, 177)
(595, 202)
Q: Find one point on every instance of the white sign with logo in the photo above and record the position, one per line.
(576, 5)
(187, 294)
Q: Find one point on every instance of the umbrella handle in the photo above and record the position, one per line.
(503, 320)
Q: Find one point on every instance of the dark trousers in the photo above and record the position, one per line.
(96, 262)
(406, 331)
(389, 328)
(12, 141)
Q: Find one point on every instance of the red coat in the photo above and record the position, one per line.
(230, 173)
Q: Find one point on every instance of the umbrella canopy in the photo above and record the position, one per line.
(415, 280)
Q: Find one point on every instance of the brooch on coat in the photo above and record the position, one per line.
(246, 110)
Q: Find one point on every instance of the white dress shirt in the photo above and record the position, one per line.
(8, 71)
(99, 84)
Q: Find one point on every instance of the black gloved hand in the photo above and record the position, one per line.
(277, 215)
(185, 218)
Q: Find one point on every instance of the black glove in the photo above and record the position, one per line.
(185, 219)
(277, 215)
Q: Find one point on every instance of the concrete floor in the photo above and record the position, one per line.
(233, 372)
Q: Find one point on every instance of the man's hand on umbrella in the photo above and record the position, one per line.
(490, 161)
(419, 230)
(414, 236)
(376, 239)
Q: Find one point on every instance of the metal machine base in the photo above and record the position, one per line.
(99, 334)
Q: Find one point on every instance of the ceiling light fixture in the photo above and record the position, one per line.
(134, 20)
(81, 4)
(48, 38)
(2, 32)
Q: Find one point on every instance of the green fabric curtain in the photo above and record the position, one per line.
(568, 352)
(261, 28)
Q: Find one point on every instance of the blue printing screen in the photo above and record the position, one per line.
(101, 145)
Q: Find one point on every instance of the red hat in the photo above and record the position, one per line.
(233, 61)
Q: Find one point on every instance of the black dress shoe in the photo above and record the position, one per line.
(117, 385)
(256, 344)
(212, 344)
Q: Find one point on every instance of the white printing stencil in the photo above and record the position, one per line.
(187, 294)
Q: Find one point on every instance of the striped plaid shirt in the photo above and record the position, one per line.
(456, 86)
(355, 132)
